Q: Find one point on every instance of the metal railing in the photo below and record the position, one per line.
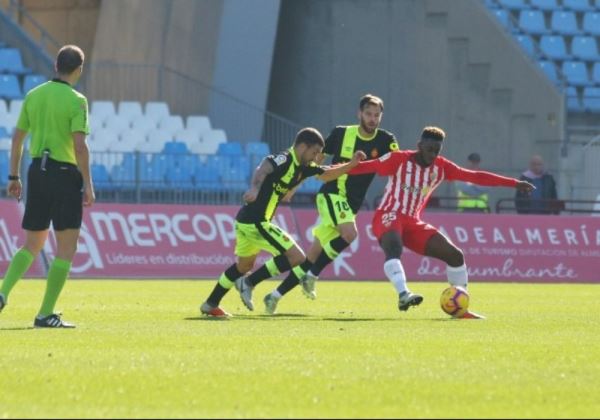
(547, 206)
(20, 15)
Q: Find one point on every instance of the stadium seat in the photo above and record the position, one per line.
(4, 132)
(171, 123)
(235, 179)
(532, 21)
(564, 22)
(215, 137)
(95, 124)
(144, 123)
(575, 73)
(513, 4)
(591, 23)
(573, 102)
(180, 178)
(5, 143)
(503, 18)
(11, 62)
(33, 80)
(117, 123)
(15, 106)
(152, 176)
(102, 109)
(232, 148)
(596, 73)
(553, 46)
(207, 179)
(577, 5)
(132, 136)
(203, 148)
(526, 42)
(149, 147)
(591, 99)
(198, 123)
(3, 107)
(100, 176)
(129, 109)
(218, 163)
(120, 146)
(156, 110)
(159, 137)
(9, 87)
(189, 137)
(585, 48)
(545, 4)
(123, 177)
(100, 140)
(549, 69)
(175, 147)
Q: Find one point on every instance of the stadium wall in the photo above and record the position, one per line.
(447, 63)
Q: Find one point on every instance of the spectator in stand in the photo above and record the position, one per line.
(472, 197)
(540, 200)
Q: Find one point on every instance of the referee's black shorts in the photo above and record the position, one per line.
(54, 194)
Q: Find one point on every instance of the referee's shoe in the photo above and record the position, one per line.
(51, 321)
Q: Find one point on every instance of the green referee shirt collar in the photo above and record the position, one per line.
(294, 157)
(57, 80)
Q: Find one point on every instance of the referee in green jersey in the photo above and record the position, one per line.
(339, 201)
(58, 180)
(272, 180)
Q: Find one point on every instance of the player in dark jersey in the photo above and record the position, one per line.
(413, 175)
(276, 175)
(338, 201)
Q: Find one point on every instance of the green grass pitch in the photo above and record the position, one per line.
(141, 349)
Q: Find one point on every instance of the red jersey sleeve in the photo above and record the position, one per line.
(385, 165)
(453, 172)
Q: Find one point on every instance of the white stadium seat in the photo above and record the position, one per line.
(117, 123)
(189, 137)
(102, 109)
(144, 123)
(159, 137)
(132, 136)
(215, 137)
(157, 110)
(198, 123)
(129, 109)
(15, 106)
(172, 123)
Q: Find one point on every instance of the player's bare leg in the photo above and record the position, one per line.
(440, 247)
(391, 243)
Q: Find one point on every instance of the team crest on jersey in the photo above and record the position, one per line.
(280, 159)
(374, 153)
(342, 215)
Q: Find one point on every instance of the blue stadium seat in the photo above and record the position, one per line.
(591, 23)
(4, 132)
(219, 163)
(513, 4)
(310, 185)
(591, 99)
(11, 62)
(207, 179)
(187, 162)
(573, 101)
(230, 148)
(564, 22)
(549, 69)
(596, 73)
(532, 21)
(553, 46)
(545, 4)
(101, 177)
(257, 148)
(585, 48)
(526, 42)
(504, 18)
(577, 5)
(4, 167)
(235, 180)
(576, 73)
(175, 147)
(152, 178)
(9, 87)
(33, 80)
(180, 178)
(123, 177)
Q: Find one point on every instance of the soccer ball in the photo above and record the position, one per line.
(455, 301)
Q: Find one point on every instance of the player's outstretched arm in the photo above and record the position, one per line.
(524, 186)
(334, 172)
(258, 177)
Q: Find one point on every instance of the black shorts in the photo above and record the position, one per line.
(53, 195)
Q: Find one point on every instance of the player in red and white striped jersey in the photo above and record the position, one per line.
(413, 175)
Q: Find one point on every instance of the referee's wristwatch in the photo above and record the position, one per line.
(14, 177)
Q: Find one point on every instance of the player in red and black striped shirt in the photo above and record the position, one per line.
(413, 175)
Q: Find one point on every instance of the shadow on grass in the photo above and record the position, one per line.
(16, 328)
(303, 317)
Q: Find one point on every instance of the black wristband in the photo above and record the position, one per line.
(14, 177)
